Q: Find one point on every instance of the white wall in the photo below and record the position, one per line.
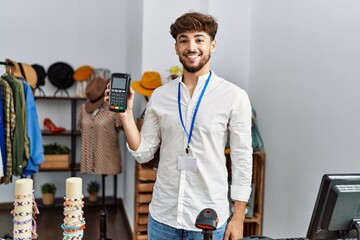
(304, 84)
(231, 59)
(134, 48)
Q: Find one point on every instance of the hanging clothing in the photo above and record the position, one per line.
(36, 156)
(9, 123)
(2, 136)
(100, 149)
(18, 144)
(1, 166)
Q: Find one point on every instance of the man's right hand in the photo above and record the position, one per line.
(130, 100)
(131, 131)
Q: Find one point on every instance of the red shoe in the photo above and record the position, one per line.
(49, 125)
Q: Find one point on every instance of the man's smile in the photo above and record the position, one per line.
(192, 57)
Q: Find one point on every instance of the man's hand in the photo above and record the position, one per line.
(131, 131)
(106, 94)
(130, 101)
(235, 228)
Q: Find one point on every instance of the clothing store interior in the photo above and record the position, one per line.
(64, 154)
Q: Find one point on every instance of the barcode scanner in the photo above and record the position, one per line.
(207, 220)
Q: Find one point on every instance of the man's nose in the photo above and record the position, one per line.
(192, 46)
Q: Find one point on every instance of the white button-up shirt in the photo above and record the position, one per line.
(225, 110)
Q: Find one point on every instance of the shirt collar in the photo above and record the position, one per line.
(201, 79)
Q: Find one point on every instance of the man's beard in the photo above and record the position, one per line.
(194, 69)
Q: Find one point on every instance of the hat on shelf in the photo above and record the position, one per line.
(41, 74)
(148, 83)
(23, 70)
(83, 73)
(95, 94)
(61, 75)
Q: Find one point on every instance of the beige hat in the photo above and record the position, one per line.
(23, 70)
(95, 94)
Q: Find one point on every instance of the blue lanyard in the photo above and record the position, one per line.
(195, 112)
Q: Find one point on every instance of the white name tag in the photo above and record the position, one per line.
(187, 163)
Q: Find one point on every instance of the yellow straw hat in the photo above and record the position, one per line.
(83, 73)
(148, 83)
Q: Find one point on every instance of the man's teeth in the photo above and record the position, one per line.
(192, 56)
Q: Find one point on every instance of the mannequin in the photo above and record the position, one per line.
(100, 149)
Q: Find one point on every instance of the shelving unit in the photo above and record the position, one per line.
(73, 133)
(145, 176)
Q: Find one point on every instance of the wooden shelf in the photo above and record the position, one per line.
(65, 133)
(145, 175)
(59, 98)
(73, 133)
(72, 167)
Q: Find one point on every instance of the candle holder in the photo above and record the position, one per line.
(103, 213)
(25, 209)
(74, 221)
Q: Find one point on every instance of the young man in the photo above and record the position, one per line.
(192, 117)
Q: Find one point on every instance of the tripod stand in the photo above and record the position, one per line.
(103, 212)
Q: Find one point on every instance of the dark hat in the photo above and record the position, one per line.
(41, 74)
(61, 75)
(95, 94)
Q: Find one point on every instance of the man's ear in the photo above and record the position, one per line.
(176, 49)
(213, 46)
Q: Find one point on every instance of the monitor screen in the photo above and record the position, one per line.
(337, 208)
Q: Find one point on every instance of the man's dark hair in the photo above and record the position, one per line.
(194, 21)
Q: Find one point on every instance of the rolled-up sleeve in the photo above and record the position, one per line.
(241, 149)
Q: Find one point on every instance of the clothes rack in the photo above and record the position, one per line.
(6, 63)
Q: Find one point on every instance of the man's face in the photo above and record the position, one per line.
(194, 50)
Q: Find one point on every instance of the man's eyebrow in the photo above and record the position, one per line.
(197, 35)
(200, 35)
(182, 36)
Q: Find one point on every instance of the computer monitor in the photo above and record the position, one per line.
(336, 213)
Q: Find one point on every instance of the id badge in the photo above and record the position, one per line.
(187, 163)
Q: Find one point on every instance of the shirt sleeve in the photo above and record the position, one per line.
(1, 166)
(241, 149)
(150, 135)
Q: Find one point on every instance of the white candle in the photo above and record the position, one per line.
(24, 205)
(73, 187)
(73, 213)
